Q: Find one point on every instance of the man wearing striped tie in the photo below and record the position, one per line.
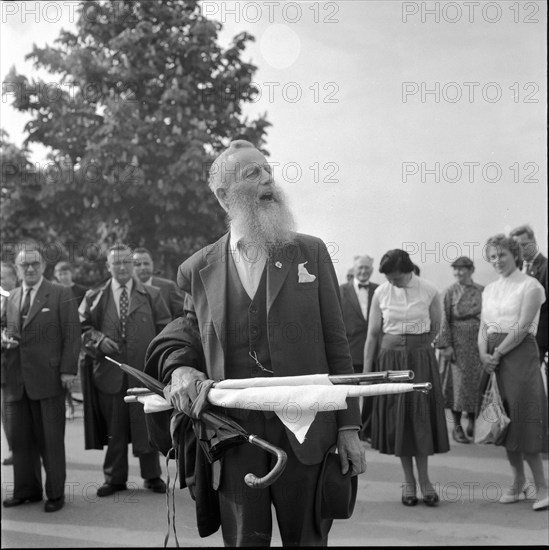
(119, 319)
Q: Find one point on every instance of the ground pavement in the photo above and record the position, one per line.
(469, 479)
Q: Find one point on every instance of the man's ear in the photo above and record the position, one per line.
(221, 195)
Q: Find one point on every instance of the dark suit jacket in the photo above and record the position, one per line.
(49, 343)
(538, 270)
(307, 333)
(171, 295)
(356, 326)
(147, 315)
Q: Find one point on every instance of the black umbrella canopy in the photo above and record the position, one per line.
(217, 432)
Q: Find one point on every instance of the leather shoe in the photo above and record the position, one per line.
(156, 485)
(54, 504)
(542, 504)
(459, 435)
(108, 489)
(11, 502)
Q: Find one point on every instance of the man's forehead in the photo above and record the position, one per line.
(246, 156)
(142, 257)
(28, 256)
(120, 254)
(368, 262)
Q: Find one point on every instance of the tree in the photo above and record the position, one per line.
(146, 97)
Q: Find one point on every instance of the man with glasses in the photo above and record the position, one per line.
(41, 342)
(119, 319)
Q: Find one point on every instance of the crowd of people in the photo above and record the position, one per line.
(217, 323)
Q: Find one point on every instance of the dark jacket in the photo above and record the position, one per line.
(49, 343)
(147, 316)
(356, 327)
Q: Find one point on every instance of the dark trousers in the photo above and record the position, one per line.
(246, 517)
(117, 416)
(366, 415)
(5, 425)
(37, 430)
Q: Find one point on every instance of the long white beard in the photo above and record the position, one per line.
(263, 224)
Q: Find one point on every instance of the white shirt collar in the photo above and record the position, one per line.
(251, 253)
(356, 283)
(116, 285)
(234, 238)
(35, 287)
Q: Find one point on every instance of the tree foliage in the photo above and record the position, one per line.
(146, 97)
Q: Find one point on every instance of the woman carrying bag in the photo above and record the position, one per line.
(507, 346)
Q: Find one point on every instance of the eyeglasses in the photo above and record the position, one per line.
(120, 264)
(25, 265)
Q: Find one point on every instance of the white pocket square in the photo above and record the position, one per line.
(303, 275)
(45, 309)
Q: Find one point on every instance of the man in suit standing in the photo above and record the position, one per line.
(41, 344)
(356, 297)
(266, 303)
(144, 269)
(535, 265)
(119, 319)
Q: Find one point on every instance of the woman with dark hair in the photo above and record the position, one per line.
(507, 346)
(410, 425)
(457, 340)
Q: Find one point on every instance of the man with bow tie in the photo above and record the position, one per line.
(356, 297)
(266, 303)
(41, 343)
(119, 319)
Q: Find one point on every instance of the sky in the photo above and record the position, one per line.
(396, 124)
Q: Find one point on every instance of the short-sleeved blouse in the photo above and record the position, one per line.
(503, 300)
(406, 310)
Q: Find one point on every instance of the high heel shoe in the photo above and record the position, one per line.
(542, 504)
(512, 495)
(408, 500)
(431, 499)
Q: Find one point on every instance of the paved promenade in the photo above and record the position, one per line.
(469, 479)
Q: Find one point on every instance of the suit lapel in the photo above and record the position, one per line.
(138, 297)
(39, 301)
(214, 279)
(278, 268)
(353, 299)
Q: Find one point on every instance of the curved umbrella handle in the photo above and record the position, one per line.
(255, 482)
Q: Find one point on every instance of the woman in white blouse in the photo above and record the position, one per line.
(406, 310)
(507, 345)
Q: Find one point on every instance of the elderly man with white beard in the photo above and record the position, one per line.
(265, 301)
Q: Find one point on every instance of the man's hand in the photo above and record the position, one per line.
(350, 450)
(67, 380)
(8, 342)
(182, 387)
(108, 346)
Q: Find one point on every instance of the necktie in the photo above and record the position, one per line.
(26, 304)
(366, 285)
(123, 311)
(528, 267)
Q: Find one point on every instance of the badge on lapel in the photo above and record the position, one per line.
(303, 275)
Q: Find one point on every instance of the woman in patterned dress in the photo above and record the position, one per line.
(410, 425)
(457, 341)
(507, 346)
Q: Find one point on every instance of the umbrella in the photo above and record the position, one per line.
(215, 433)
